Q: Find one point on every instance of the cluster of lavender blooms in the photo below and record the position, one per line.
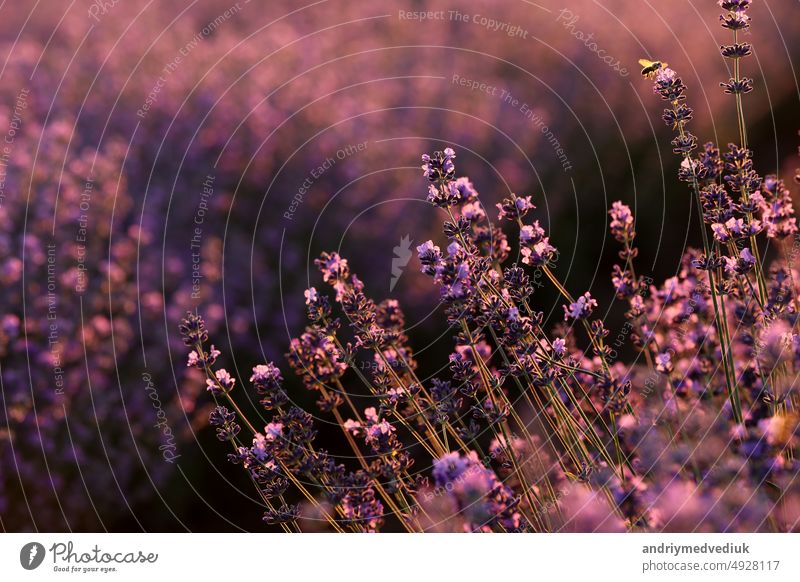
(77, 442)
(535, 429)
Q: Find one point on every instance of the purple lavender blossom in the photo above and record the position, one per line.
(581, 308)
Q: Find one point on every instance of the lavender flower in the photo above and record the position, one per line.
(267, 380)
(439, 169)
(741, 265)
(221, 383)
(621, 222)
(430, 256)
(581, 308)
(514, 207)
(777, 211)
(224, 421)
(736, 19)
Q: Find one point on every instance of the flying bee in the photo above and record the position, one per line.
(650, 68)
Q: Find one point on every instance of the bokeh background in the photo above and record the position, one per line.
(160, 157)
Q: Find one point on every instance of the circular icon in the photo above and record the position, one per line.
(31, 555)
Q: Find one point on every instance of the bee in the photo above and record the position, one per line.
(649, 68)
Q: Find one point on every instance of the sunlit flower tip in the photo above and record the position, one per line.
(538, 254)
(466, 191)
(223, 382)
(266, 374)
(531, 233)
(439, 167)
(311, 296)
(428, 248)
(430, 256)
(454, 249)
(739, 229)
(352, 426)
(202, 359)
(721, 233)
(473, 212)
(371, 414)
(396, 394)
(665, 75)
(375, 431)
(193, 329)
(690, 169)
(514, 207)
(664, 363)
(559, 347)
(581, 308)
(259, 449)
(669, 85)
(621, 221)
(333, 267)
(283, 514)
(273, 430)
(741, 265)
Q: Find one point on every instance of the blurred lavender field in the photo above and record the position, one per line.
(160, 157)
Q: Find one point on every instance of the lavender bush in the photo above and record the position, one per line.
(531, 427)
